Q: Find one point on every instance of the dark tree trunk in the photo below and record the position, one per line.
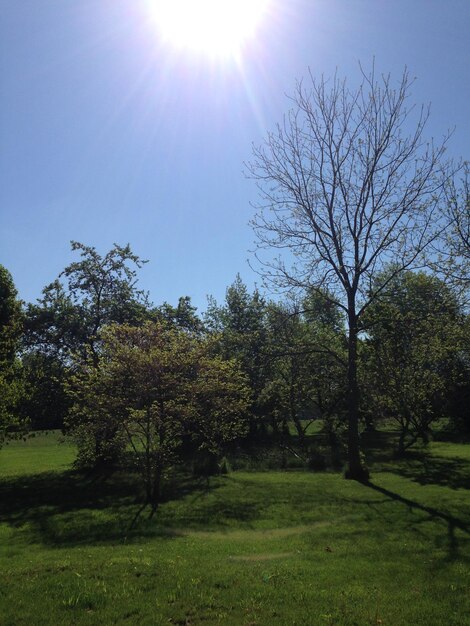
(401, 449)
(155, 491)
(355, 470)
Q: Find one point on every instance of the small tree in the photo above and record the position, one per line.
(155, 387)
(348, 184)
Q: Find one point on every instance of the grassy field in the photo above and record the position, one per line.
(250, 548)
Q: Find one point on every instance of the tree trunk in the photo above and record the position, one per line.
(355, 470)
(401, 443)
(155, 491)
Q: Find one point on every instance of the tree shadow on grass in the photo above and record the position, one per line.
(453, 523)
(419, 465)
(426, 469)
(70, 508)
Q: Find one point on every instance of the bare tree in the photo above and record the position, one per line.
(348, 186)
(451, 254)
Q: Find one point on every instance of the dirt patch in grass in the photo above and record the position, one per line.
(255, 558)
(247, 534)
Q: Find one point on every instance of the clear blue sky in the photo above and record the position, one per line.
(109, 135)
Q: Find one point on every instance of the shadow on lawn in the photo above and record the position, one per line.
(419, 465)
(453, 523)
(71, 509)
(426, 469)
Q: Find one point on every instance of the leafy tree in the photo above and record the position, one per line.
(10, 318)
(183, 315)
(11, 384)
(239, 325)
(44, 400)
(66, 323)
(348, 183)
(307, 374)
(159, 386)
(88, 294)
(414, 340)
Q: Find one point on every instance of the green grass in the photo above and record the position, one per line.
(251, 548)
(40, 452)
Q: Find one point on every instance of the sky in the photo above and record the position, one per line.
(111, 134)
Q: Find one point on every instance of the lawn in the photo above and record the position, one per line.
(250, 548)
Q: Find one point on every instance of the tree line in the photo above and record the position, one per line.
(372, 227)
(96, 359)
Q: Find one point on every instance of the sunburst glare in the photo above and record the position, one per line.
(212, 27)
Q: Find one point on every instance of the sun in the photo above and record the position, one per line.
(213, 27)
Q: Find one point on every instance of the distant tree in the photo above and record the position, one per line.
(459, 394)
(11, 382)
(158, 385)
(10, 318)
(66, 323)
(88, 294)
(414, 344)
(44, 400)
(308, 364)
(184, 315)
(348, 184)
(239, 324)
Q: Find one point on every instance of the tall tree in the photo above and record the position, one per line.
(239, 324)
(348, 183)
(90, 293)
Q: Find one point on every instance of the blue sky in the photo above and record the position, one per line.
(107, 134)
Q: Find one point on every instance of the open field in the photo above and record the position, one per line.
(251, 548)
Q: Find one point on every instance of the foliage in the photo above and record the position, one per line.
(44, 400)
(10, 319)
(414, 345)
(155, 387)
(65, 324)
(11, 383)
(240, 328)
(98, 290)
(183, 315)
(308, 367)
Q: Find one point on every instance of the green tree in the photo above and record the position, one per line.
(11, 383)
(240, 327)
(308, 368)
(66, 322)
(89, 293)
(309, 364)
(158, 386)
(45, 400)
(183, 315)
(413, 344)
